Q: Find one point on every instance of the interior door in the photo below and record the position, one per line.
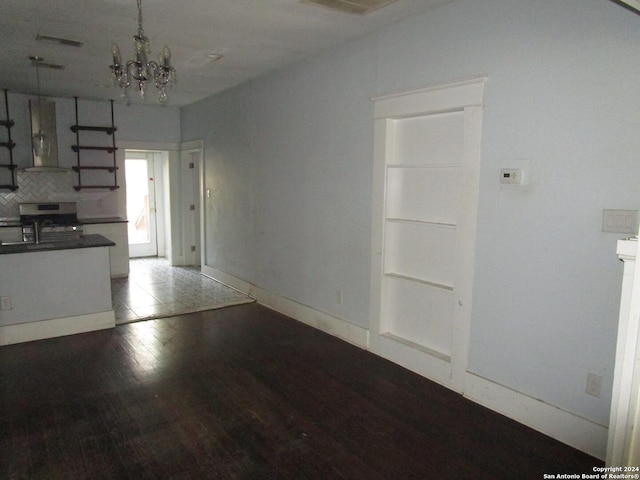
(425, 204)
(141, 205)
(190, 215)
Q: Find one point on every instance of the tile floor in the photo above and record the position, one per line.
(155, 289)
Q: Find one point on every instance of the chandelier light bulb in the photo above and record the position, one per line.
(115, 52)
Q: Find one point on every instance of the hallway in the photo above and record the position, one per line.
(155, 289)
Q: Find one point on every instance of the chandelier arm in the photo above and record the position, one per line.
(164, 76)
(121, 75)
(158, 74)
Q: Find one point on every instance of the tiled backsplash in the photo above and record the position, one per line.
(55, 187)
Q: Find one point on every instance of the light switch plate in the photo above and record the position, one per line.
(511, 176)
(6, 303)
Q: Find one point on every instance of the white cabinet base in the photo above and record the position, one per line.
(57, 327)
(119, 254)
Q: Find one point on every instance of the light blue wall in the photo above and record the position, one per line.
(291, 180)
(289, 160)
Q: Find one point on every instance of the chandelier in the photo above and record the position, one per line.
(140, 70)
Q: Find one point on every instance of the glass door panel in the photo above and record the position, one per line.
(141, 208)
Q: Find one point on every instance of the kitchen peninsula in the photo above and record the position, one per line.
(55, 288)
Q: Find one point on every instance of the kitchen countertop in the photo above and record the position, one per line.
(96, 220)
(15, 222)
(85, 241)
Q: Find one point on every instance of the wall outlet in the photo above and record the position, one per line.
(6, 303)
(594, 385)
(339, 297)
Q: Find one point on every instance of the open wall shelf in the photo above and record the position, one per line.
(9, 145)
(108, 167)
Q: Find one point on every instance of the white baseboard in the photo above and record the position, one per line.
(229, 280)
(334, 326)
(57, 327)
(554, 422)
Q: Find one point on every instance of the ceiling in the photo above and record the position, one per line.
(255, 36)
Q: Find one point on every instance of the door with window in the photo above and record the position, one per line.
(141, 204)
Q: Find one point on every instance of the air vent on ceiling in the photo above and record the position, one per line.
(360, 7)
(58, 41)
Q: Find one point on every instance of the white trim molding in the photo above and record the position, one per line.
(334, 326)
(623, 448)
(554, 422)
(57, 327)
(436, 98)
(325, 322)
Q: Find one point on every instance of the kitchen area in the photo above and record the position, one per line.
(63, 229)
(55, 278)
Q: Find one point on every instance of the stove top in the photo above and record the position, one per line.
(53, 213)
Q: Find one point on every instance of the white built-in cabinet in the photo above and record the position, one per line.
(118, 254)
(114, 231)
(423, 175)
(427, 152)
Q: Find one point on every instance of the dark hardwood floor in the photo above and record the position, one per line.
(246, 393)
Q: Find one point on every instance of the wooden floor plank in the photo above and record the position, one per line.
(246, 393)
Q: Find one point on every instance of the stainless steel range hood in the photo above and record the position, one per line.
(43, 127)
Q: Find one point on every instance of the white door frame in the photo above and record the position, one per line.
(172, 150)
(191, 186)
(156, 205)
(467, 97)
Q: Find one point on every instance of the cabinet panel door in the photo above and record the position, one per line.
(118, 254)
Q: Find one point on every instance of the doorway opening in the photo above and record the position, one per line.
(145, 178)
(163, 202)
